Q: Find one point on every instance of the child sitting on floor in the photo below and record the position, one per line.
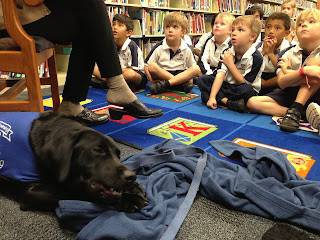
(210, 56)
(276, 29)
(299, 74)
(171, 64)
(239, 71)
(130, 56)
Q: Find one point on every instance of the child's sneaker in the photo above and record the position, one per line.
(157, 87)
(238, 106)
(98, 83)
(183, 87)
(291, 121)
(313, 115)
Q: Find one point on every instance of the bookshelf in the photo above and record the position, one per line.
(148, 17)
(271, 6)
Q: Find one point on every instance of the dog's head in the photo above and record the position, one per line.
(84, 160)
(95, 166)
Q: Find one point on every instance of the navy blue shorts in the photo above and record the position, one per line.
(144, 80)
(286, 96)
(176, 72)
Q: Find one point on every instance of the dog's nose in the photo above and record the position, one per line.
(129, 176)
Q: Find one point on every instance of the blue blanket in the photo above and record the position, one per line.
(267, 185)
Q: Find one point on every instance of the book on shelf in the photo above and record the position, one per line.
(112, 11)
(42, 68)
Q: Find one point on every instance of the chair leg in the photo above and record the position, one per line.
(34, 89)
(53, 79)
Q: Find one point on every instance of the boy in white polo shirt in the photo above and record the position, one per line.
(239, 71)
(129, 53)
(210, 56)
(276, 29)
(171, 64)
(298, 73)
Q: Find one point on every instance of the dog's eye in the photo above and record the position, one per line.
(98, 150)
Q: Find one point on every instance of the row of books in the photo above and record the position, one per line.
(232, 6)
(152, 21)
(159, 3)
(117, 1)
(200, 5)
(269, 8)
(196, 23)
(116, 10)
(42, 68)
(306, 4)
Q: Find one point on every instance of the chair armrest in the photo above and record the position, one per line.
(33, 3)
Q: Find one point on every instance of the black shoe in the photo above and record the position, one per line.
(98, 83)
(89, 118)
(135, 109)
(183, 87)
(158, 87)
(238, 106)
(291, 121)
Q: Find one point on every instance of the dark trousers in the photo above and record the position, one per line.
(231, 91)
(86, 25)
(204, 83)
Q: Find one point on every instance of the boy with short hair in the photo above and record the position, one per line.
(239, 71)
(214, 47)
(299, 68)
(171, 64)
(276, 29)
(130, 55)
(289, 7)
(258, 13)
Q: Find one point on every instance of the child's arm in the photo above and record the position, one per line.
(203, 61)
(290, 79)
(298, 76)
(227, 59)
(212, 102)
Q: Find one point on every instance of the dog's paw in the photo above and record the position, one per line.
(133, 199)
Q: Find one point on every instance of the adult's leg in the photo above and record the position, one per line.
(87, 25)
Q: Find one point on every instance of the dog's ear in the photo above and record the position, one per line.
(56, 154)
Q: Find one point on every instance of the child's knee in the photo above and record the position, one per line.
(253, 103)
(153, 67)
(132, 75)
(196, 69)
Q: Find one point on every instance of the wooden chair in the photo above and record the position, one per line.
(25, 61)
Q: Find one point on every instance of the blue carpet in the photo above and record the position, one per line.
(202, 125)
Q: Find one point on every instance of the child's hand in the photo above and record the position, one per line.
(269, 44)
(212, 103)
(227, 58)
(285, 64)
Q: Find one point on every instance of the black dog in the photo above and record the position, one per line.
(77, 162)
